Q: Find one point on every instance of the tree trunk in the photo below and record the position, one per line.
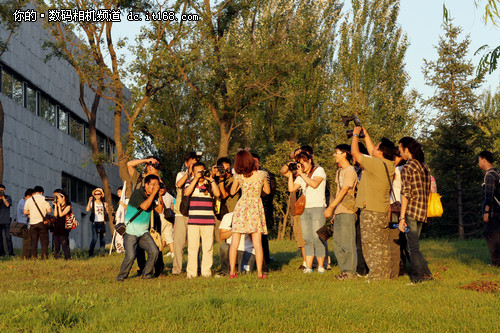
(460, 208)
(1, 141)
(225, 138)
(283, 222)
(122, 155)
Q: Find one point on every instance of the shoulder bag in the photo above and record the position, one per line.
(434, 207)
(121, 228)
(71, 222)
(155, 234)
(48, 219)
(18, 229)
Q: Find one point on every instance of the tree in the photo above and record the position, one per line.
(89, 55)
(489, 60)
(8, 23)
(456, 139)
(370, 79)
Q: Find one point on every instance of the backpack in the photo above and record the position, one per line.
(496, 195)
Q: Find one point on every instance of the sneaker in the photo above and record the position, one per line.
(301, 267)
(307, 270)
(170, 254)
(344, 276)
(321, 270)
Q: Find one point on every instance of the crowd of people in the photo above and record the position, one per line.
(379, 207)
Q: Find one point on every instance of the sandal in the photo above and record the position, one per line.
(233, 276)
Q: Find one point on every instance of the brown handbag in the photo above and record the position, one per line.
(300, 204)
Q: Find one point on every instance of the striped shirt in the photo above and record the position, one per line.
(416, 187)
(201, 211)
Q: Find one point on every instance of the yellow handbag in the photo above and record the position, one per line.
(434, 208)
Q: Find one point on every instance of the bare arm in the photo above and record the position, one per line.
(292, 187)
(402, 220)
(356, 154)
(132, 164)
(225, 233)
(338, 198)
(235, 187)
(266, 188)
(369, 143)
(89, 204)
(149, 201)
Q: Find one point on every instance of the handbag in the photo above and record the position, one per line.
(155, 234)
(169, 215)
(18, 229)
(184, 206)
(300, 204)
(71, 222)
(325, 232)
(48, 219)
(100, 227)
(434, 207)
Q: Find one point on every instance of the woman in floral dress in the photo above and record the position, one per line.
(248, 215)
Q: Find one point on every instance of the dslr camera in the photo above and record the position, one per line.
(222, 171)
(205, 173)
(293, 167)
(155, 165)
(347, 119)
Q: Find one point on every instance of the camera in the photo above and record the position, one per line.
(50, 198)
(347, 119)
(222, 170)
(2, 193)
(155, 165)
(205, 173)
(199, 154)
(293, 166)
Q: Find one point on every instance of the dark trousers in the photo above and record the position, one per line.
(61, 241)
(131, 243)
(361, 267)
(265, 249)
(419, 268)
(493, 242)
(39, 232)
(102, 240)
(25, 252)
(244, 259)
(5, 230)
(141, 262)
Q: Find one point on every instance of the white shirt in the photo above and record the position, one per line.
(396, 185)
(245, 241)
(99, 212)
(315, 197)
(34, 213)
(168, 200)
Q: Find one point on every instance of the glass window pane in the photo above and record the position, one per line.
(87, 136)
(65, 184)
(76, 129)
(101, 142)
(17, 92)
(31, 99)
(81, 193)
(7, 84)
(63, 120)
(48, 111)
(73, 191)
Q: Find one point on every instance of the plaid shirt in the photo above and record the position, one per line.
(416, 186)
(491, 190)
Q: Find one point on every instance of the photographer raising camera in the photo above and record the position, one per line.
(312, 181)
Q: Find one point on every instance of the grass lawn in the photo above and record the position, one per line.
(83, 295)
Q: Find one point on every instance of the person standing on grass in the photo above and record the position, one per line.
(344, 236)
(137, 221)
(249, 216)
(22, 218)
(373, 200)
(202, 190)
(312, 181)
(491, 205)
(98, 218)
(181, 221)
(36, 208)
(415, 190)
(62, 207)
(5, 203)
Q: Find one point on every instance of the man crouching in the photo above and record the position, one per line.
(137, 220)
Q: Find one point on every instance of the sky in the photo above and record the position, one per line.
(421, 20)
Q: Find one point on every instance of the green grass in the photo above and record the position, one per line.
(82, 295)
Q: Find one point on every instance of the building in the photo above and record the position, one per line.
(46, 136)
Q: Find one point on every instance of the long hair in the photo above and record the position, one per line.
(244, 164)
(304, 156)
(414, 147)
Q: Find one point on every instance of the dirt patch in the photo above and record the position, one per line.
(483, 286)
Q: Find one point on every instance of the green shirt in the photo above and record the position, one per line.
(374, 187)
(140, 225)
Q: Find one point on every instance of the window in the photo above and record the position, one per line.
(101, 143)
(87, 135)
(18, 91)
(76, 129)
(31, 99)
(63, 120)
(81, 193)
(7, 84)
(48, 110)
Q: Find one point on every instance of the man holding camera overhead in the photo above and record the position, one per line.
(373, 200)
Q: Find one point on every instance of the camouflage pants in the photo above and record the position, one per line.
(374, 240)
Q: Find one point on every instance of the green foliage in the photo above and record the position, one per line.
(7, 8)
(82, 295)
(456, 139)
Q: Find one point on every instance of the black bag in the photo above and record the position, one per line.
(100, 227)
(18, 229)
(184, 207)
(169, 215)
(48, 219)
(121, 228)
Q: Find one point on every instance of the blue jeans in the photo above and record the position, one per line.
(102, 240)
(311, 220)
(344, 242)
(130, 243)
(419, 268)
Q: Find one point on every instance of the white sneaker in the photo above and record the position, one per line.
(307, 270)
(170, 254)
(321, 270)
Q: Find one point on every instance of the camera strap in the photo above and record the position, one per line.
(39, 210)
(390, 183)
